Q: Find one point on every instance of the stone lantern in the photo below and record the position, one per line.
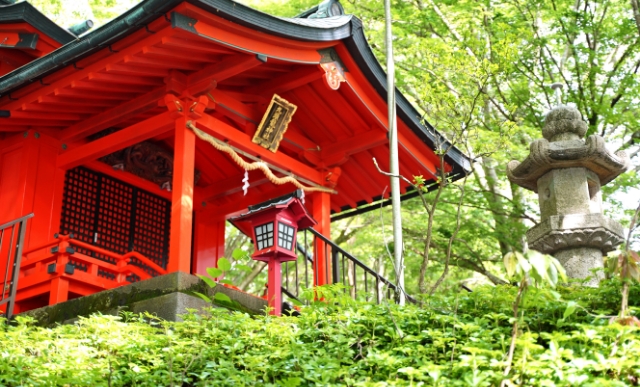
(273, 226)
(567, 173)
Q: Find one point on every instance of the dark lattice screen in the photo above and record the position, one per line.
(80, 203)
(116, 216)
(152, 212)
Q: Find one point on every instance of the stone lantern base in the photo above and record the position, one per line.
(578, 241)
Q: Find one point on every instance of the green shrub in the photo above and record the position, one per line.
(450, 341)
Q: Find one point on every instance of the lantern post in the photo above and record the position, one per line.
(273, 226)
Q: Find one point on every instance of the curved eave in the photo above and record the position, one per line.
(361, 52)
(149, 10)
(26, 13)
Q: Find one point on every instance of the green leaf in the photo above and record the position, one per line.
(204, 297)
(523, 264)
(552, 274)
(224, 264)
(562, 274)
(540, 264)
(238, 254)
(226, 281)
(510, 262)
(571, 307)
(207, 280)
(222, 297)
(245, 268)
(214, 272)
(634, 272)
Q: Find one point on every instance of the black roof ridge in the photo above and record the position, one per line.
(148, 10)
(25, 12)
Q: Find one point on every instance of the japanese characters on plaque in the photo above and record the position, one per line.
(274, 123)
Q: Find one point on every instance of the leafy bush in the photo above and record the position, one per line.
(450, 341)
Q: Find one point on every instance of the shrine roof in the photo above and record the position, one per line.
(350, 122)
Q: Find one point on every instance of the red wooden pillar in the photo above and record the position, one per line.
(182, 198)
(208, 244)
(321, 212)
(274, 292)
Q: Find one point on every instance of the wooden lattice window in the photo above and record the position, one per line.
(115, 216)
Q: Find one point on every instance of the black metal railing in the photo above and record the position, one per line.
(359, 280)
(13, 247)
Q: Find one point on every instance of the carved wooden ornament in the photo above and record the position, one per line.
(333, 74)
(274, 123)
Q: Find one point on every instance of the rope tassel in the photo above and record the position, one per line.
(245, 186)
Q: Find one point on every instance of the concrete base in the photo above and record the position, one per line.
(582, 262)
(167, 296)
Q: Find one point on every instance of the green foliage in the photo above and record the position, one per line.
(453, 341)
(543, 268)
(480, 72)
(66, 15)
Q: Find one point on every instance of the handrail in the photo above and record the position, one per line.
(334, 252)
(17, 257)
(356, 261)
(146, 261)
(96, 249)
(15, 221)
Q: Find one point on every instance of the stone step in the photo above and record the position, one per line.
(167, 297)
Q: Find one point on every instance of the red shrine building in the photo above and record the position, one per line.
(133, 144)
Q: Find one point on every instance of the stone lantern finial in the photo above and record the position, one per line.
(563, 123)
(567, 173)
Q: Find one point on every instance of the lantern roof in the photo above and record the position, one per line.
(292, 202)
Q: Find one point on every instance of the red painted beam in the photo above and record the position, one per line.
(43, 116)
(303, 75)
(133, 70)
(254, 196)
(191, 45)
(9, 39)
(171, 55)
(101, 87)
(61, 108)
(125, 79)
(242, 141)
(126, 137)
(228, 186)
(231, 38)
(226, 68)
(129, 178)
(233, 108)
(113, 116)
(139, 60)
(65, 101)
(355, 144)
(105, 97)
(128, 46)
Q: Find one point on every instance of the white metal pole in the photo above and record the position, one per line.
(393, 157)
